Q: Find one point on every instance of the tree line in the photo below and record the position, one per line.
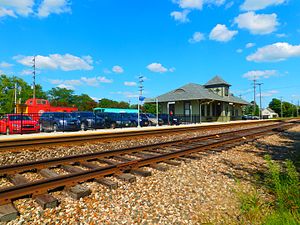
(288, 109)
(57, 97)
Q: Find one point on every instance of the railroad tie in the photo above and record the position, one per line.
(104, 181)
(159, 167)
(172, 162)
(78, 191)
(126, 177)
(44, 200)
(8, 212)
(141, 172)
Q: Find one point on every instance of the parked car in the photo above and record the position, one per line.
(250, 117)
(143, 119)
(17, 124)
(113, 120)
(58, 121)
(89, 120)
(153, 119)
(170, 120)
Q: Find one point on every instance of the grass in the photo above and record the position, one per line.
(282, 181)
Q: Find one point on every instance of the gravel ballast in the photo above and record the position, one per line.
(197, 191)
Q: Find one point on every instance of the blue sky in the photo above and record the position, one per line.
(101, 47)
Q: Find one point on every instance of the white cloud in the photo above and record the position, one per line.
(65, 62)
(158, 68)
(257, 23)
(221, 33)
(197, 37)
(239, 50)
(107, 71)
(181, 16)
(258, 74)
(276, 52)
(190, 4)
(87, 81)
(16, 7)
(70, 87)
(48, 7)
(26, 72)
(130, 83)
(229, 5)
(5, 65)
(104, 80)
(126, 94)
(268, 93)
(250, 45)
(251, 5)
(172, 69)
(117, 69)
(282, 35)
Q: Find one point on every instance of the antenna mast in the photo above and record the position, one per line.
(34, 72)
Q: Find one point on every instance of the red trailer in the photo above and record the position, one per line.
(35, 108)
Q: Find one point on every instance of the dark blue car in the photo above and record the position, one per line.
(89, 120)
(58, 121)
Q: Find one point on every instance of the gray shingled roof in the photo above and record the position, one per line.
(215, 81)
(193, 91)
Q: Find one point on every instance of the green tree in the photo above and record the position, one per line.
(150, 108)
(288, 109)
(61, 97)
(7, 92)
(249, 109)
(84, 102)
(275, 105)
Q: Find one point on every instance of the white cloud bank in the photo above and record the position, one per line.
(25, 8)
(65, 62)
(221, 33)
(159, 68)
(276, 52)
(258, 74)
(130, 83)
(251, 5)
(87, 81)
(257, 23)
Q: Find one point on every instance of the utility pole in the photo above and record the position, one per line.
(259, 85)
(15, 98)
(34, 73)
(141, 88)
(297, 109)
(281, 107)
(254, 97)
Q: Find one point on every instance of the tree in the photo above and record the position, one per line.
(150, 108)
(61, 97)
(84, 102)
(249, 109)
(288, 109)
(7, 92)
(275, 105)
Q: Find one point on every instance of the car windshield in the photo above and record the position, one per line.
(151, 115)
(86, 114)
(63, 115)
(19, 117)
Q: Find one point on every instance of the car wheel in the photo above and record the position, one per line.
(83, 126)
(113, 125)
(7, 131)
(55, 128)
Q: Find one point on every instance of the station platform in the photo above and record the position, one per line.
(15, 137)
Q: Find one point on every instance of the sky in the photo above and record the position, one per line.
(101, 47)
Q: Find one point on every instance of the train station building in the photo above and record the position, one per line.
(201, 103)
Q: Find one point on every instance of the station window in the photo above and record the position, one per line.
(187, 108)
(226, 91)
(208, 110)
(203, 110)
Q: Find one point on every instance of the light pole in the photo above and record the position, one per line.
(281, 107)
(259, 85)
(140, 98)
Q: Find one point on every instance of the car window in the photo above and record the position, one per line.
(19, 117)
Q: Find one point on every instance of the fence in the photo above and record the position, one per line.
(60, 121)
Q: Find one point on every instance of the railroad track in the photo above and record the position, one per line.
(121, 163)
(15, 144)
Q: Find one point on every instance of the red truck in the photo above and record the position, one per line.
(17, 124)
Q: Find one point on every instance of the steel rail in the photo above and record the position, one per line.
(43, 186)
(40, 164)
(73, 138)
